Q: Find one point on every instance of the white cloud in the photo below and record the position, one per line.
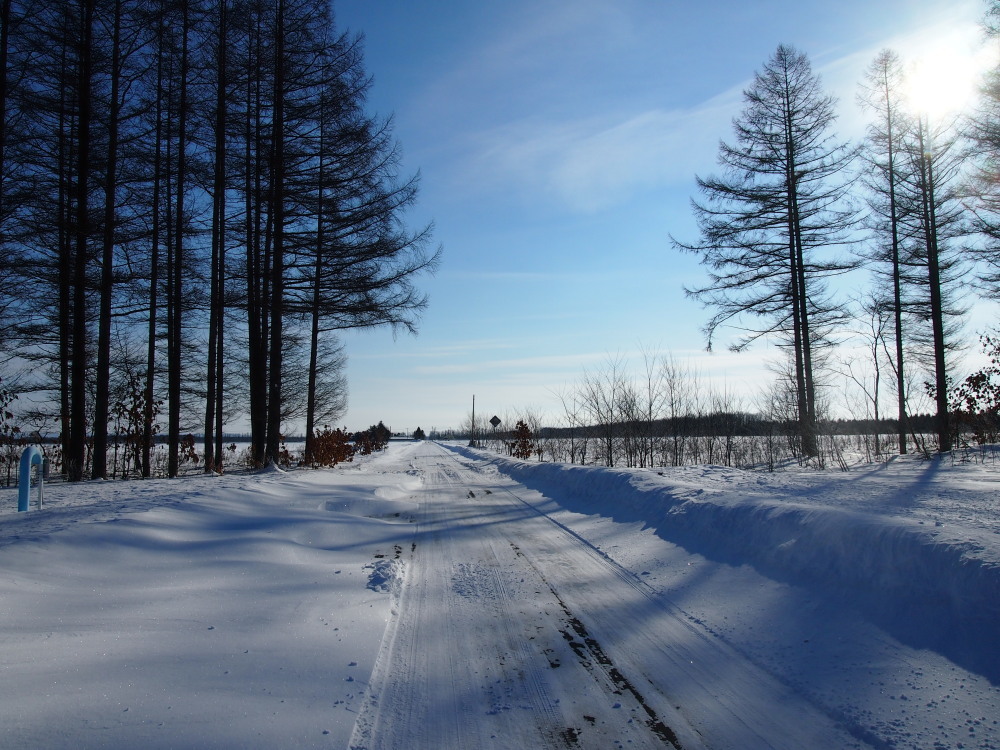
(588, 165)
(422, 351)
(531, 368)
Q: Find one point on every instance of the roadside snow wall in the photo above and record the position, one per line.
(929, 586)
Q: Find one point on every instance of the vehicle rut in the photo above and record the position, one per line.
(481, 634)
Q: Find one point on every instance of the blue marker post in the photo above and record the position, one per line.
(31, 455)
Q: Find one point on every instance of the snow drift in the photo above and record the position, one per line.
(929, 583)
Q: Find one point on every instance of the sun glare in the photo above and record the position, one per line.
(943, 81)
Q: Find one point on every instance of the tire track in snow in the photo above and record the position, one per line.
(432, 643)
(599, 665)
(520, 673)
(598, 659)
(686, 654)
(403, 677)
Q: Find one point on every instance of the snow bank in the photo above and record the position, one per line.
(211, 612)
(931, 585)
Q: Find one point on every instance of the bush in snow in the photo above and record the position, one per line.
(523, 447)
(331, 447)
(975, 402)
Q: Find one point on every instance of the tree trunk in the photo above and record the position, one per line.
(4, 47)
(256, 310)
(278, 226)
(65, 245)
(103, 378)
(213, 457)
(76, 460)
(317, 296)
(897, 294)
(941, 420)
(805, 394)
(149, 411)
(176, 292)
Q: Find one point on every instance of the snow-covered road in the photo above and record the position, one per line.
(513, 631)
(438, 597)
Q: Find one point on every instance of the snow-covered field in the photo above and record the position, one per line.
(440, 597)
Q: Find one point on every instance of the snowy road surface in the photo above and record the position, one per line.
(435, 597)
(513, 629)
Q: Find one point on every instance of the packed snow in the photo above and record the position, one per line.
(436, 596)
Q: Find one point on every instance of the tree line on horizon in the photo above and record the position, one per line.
(667, 413)
(738, 438)
(194, 201)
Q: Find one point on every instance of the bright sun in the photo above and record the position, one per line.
(942, 81)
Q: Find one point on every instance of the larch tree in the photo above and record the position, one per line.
(331, 246)
(45, 167)
(122, 222)
(882, 94)
(984, 132)
(13, 64)
(936, 228)
(176, 253)
(218, 58)
(157, 109)
(76, 457)
(768, 220)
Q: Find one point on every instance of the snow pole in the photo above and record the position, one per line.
(31, 455)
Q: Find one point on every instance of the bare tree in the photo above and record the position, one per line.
(601, 395)
(574, 425)
(937, 157)
(763, 223)
(864, 375)
(681, 388)
(881, 93)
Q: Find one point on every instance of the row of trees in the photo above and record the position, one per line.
(665, 413)
(914, 201)
(193, 202)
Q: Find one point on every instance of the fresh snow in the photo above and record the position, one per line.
(436, 596)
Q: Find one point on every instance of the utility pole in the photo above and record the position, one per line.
(472, 429)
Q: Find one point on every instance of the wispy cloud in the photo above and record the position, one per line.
(463, 348)
(587, 165)
(586, 162)
(537, 109)
(527, 367)
(517, 277)
(514, 277)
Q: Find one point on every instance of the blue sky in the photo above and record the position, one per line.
(558, 142)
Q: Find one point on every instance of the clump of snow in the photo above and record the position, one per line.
(271, 468)
(384, 575)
